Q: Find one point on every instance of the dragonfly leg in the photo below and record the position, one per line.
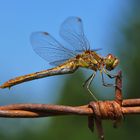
(106, 84)
(109, 75)
(87, 84)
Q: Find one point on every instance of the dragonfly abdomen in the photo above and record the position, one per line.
(62, 69)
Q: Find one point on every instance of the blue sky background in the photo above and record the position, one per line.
(18, 19)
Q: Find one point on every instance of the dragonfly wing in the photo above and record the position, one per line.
(72, 32)
(49, 48)
(95, 50)
(56, 63)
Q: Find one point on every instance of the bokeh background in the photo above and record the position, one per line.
(113, 26)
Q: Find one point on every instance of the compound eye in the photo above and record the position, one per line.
(116, 62)
(110, 56)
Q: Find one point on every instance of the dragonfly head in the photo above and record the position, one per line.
(111, 62)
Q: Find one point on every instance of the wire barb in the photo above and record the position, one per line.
(104, 110)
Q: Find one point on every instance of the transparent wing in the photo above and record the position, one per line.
(58, 62)
(49, 48)
(72, 32)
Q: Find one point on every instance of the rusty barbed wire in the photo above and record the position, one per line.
(129, 106)
(95, 111)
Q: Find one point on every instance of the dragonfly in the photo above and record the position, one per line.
(67, 59)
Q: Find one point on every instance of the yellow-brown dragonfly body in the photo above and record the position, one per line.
(66, 60)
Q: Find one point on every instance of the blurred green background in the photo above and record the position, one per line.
(126, 45)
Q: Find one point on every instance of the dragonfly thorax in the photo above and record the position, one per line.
(89, 59)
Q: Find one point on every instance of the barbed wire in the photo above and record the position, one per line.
(95, 111)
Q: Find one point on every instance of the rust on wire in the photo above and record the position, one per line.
(118, 88)
(107, 109)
